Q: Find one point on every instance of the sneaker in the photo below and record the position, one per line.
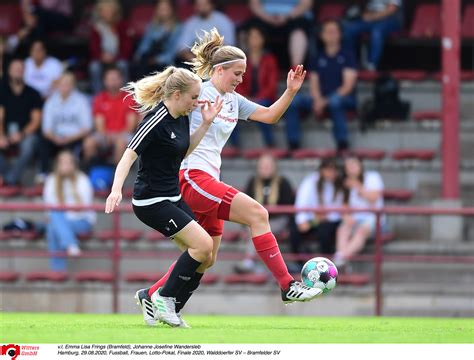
(145, 303)
(165, 309)
(182, 323)
(299, 292)
(73, 251)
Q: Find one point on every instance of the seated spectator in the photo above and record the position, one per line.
(110, 42)
(20, 119)
(40, 19)
(320, 189)
(114, 119)
(362, 189)
(380, 19)
(206, 17)
(268, 187)
(260, 83)
(42, 71)
(291, 19)
(159, 45)
(67, 120)
(333, 77)
(66, 185)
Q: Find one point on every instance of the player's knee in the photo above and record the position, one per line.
(258, 213)
(209, 262)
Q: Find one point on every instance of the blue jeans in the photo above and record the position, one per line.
(27, 148)
(337, 107)
(266, 129)
(378, 30)
(61, 233)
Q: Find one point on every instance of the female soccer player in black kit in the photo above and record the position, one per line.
(160, 143)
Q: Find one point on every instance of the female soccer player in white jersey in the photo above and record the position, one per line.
(161, 142)
(213, 201)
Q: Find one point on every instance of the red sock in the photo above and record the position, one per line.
(162, 281)
(268, 250)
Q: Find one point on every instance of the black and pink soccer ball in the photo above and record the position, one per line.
(321, 273)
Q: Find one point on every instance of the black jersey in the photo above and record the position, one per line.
(161, 142)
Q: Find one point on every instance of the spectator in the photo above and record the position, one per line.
(380, 19)
(362, 189)
(110, 42)
(67, 119)
(67, 186)
(320, 189)
(159, 45)
(206, 18)
(260, 83)
(42, 71)
(3, 57)
(333, 78)
(292, 19)
(269, 188)
(114, 119)
(20, 118)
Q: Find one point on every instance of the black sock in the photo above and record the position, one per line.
(187, 291)
(182, 273)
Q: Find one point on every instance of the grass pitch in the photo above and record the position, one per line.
(98, 328)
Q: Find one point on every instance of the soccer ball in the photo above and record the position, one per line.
(321, 273)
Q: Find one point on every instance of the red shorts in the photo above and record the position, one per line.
(209, 199)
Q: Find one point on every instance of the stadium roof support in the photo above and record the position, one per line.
(451, 22)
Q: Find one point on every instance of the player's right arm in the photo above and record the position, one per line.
(121, 172)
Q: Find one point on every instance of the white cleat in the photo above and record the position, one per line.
(182, 324)
(149, 311)
(165, 309)
(299, 292)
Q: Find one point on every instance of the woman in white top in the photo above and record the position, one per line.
(320, 189)
(66, 185)
(362, 189)
(211, 200)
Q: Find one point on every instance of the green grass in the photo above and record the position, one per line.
(98, 328)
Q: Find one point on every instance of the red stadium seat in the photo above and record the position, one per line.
(124, 234)
(155, 236)
(387, 237)
(413, 154)
(254, 279)
(9, 276)
(238, 13)
(426, 22)
(353, 279)
(330, 11)
(410, 75)
(10, 191)
(467, 27)
(10, 18)
(367, 75)
(467, 76)
(94, 275)
(184, 9)
(427, 115)
(256, 153)
(32, 191)
(313, 153)
(17, 234)
(140, 17)
(54, 276)
(371, 154)
(143, 276)
(209, 279)
(230, 152)
(85, 236)
(398, 194)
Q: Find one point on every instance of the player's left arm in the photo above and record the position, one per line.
(209, 111)
(273, 113)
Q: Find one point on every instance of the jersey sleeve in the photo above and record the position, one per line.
(246, 107)
(143, 136)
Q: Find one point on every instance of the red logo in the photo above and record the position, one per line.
(11, 350)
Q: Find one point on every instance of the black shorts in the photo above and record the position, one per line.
(165, 216)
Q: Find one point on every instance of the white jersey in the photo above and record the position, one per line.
(207, 155)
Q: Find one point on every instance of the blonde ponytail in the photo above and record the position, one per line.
(152, 89)
(210, 51)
